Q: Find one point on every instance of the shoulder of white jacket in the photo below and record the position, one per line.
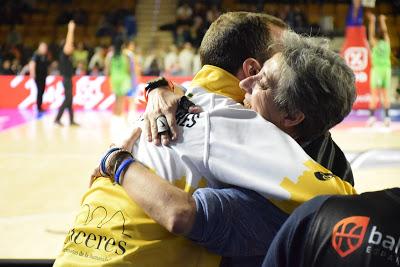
(199, 94)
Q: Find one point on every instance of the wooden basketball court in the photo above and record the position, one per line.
(46, 170)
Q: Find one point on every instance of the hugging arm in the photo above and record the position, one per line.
(230, 221)
(162, 101)
(235, 222)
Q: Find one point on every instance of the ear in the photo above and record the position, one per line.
(251, 67)
(293, 120)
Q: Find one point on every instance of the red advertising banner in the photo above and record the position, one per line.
(357, 55)
(90, 92)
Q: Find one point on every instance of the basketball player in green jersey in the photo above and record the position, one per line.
(118, 68)
(381, 67)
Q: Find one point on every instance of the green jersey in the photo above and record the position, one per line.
(119, 65)
(381, 54)
(119, 74)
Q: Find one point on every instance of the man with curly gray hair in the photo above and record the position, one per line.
(306, 88)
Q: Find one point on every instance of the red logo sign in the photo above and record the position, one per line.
(348, 234)
(89, 92)
(356, 53)
(356, 58)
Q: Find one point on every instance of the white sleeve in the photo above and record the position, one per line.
(247, 151)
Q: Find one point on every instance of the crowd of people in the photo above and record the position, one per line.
(173, 61)
(193, 18)
(181, 58)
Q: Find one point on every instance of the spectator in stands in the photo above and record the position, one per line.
(139, 59)
(135, 69)
(294, 17)
(80, 16)
(67, 71)
(53, 68)
(196, 63)
(80, 69)
(299, 19)
(199, 10)
(152, 64)
(182, 35)
(13, 37)
(98, 59)
(80, 54)
(212, 14)
(119, 32)
(171, 62)
(6, 68)
(130, 26)
(197, 31)
(184, 14)
(64, 17)
(96, 71)
(38, 70)
(54, 50)
(16, 65)
(186, 59)
(10, 13)
(105, 28)
(183, 23)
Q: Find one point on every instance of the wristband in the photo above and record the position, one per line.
(183, 106)
(159, 82)
(103, 169)
(117, 159)
(124, 165)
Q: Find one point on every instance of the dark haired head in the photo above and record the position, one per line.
(236, 36)
(118, 42)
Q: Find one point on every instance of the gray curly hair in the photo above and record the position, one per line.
(315, 81)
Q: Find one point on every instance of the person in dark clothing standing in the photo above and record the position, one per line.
(66, 70)
(38, 69)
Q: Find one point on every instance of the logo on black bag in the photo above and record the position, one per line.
(323, 176)
(348, 234)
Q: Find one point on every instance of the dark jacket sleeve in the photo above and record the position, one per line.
(287, 249)
(235, 222)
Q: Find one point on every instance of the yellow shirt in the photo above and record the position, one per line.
(111, 230)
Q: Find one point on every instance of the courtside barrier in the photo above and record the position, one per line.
(90, 92)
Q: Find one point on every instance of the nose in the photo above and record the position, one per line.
(247, 84)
